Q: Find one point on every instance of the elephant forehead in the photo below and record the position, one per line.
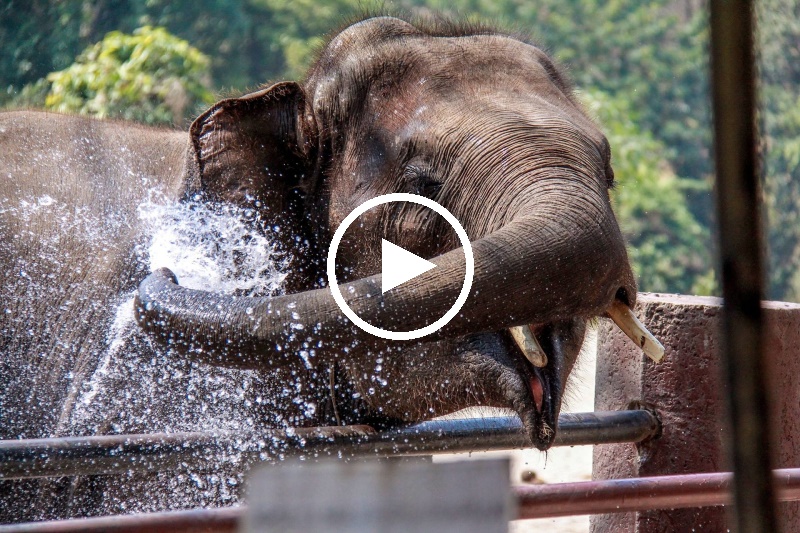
(502, 135)
(491, 114)
(422, 67)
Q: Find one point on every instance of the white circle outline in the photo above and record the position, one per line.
(465, 288)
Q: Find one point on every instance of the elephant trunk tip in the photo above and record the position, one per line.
(626, 295)
(145, 308)
(164, 275)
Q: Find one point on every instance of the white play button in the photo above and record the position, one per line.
(399, 265)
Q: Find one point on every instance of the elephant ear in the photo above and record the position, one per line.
(257, 147)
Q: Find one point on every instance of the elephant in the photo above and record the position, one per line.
(481, 122)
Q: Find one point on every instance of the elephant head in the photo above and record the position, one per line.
(480, 122)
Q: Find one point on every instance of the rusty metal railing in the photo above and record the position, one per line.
(537, 501)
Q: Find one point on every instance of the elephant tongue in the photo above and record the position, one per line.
(538, 392)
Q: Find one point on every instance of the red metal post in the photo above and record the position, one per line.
(224, 520)
(641, 494)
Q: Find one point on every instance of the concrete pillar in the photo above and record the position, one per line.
(685, 391)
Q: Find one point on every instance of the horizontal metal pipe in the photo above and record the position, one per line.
(111, 454)
(221, 520)
(539, 501)
(641, 494)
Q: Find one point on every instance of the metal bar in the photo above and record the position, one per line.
(641, 494)
(539, 501)
(113, 454)
(221, 520)
(733, 89)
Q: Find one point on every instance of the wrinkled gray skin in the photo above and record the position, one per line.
(480, 122)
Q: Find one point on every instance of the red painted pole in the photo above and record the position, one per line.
(641, 494)
(223, 520)
(540, 501)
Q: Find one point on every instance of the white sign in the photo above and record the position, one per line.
(380, 496)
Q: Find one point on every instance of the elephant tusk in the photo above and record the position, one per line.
(624, 318)
(530, 347)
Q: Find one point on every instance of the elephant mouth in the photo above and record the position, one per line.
(544, 351)
(542, 428)
(537, 390)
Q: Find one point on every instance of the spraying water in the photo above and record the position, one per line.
(140, 386)
(210, 247)
(213, 247)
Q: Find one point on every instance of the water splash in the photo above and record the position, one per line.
(215, 247)
(218, 248)
(141, 386)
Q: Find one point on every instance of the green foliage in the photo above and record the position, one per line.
(36, 37)
(150, 76)
(299, 35)
(221, 29)
(667, 246)
(32, 96)
(779, 47)
(651, 54)
(250, 42)
(642, 65)
(647, 61)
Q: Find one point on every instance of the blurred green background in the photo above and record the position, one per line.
(640, 67)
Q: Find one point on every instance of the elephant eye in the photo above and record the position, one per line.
(611, 182)
(606, 151)
(420, 181)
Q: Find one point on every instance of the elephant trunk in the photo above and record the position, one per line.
(555, 262)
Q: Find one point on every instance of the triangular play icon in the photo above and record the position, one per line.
(399, 266)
